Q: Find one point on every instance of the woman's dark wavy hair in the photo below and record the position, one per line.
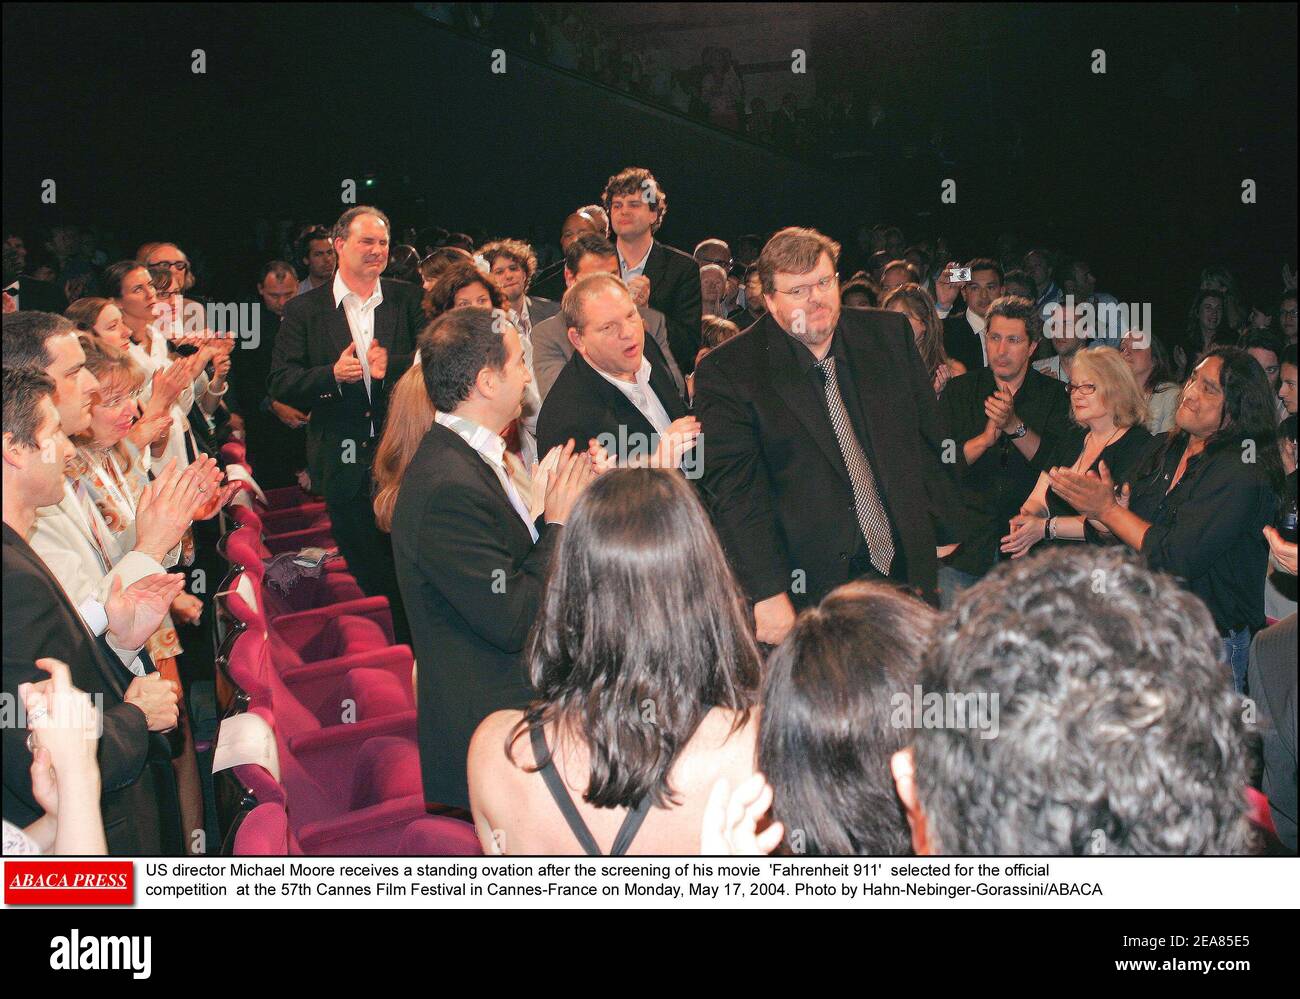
(642, 630)
(1249, 414)
(457, 275)
(826, 733)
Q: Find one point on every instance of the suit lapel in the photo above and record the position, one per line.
(801, 396)
(386, 320)
(655, 264)
(615, 401)
(110, 670)
(488, 478)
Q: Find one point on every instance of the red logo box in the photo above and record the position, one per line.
(69, 882)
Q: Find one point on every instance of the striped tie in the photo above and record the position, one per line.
(866, 496)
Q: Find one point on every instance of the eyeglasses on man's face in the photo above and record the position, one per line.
(175, 265)
(801, 292)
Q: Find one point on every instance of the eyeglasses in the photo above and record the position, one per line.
(176, 265)
(1084, 388)
(800, 292)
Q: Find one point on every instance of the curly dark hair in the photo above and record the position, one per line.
(1117, 731)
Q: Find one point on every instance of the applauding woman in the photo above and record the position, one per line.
(1108, 407)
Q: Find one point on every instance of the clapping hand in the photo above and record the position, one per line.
(730, 826)
(134, 613)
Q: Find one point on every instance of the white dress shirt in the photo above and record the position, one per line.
(492, 449)
(361, 319)
(642, 396)
(979, 324)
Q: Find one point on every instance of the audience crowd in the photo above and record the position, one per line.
(775, 549)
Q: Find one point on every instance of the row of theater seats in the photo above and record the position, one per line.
(316, 666)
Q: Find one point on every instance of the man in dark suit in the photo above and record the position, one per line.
(999, 417)
(963, 332)
(139, 804)
(590, 254)
(471, 559)
(822, 442)
(277, 435)
(1271, 680)
(339, 350)
(657, 275)
(616, 388)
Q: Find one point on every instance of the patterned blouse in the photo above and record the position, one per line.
(113, 492)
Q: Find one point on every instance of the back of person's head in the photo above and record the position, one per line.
(828, 724)
(26, 338)
(1115, 727)
(715, 331)
(24, 388)
(410, 415)
(642, 631)
(438, 260)
(454, 348)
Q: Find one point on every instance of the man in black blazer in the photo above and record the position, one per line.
(822, 443)
(339, 350)
(658, 275)
(616, 388)
(139, 805)
(277, 434)
(963, 332)
(471, 558)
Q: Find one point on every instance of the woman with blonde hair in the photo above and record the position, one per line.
(112, 477)
(1109, 408)
(410, 415)
(915, 303)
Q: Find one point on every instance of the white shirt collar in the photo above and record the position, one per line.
(342, 291)
(977, 323)
(491, 446)
(642, 377)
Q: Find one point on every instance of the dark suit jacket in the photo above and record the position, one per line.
(582, 405)
(139, 794)
(1272, 684)
(675, 291)
(962, 343)
(781, 495)
(471, 580)
(277, 451)
(312, 335)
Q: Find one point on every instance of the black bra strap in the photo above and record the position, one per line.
(627, 831)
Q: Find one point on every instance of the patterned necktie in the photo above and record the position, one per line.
(866, 496)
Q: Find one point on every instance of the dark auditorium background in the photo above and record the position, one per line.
(1140, 169)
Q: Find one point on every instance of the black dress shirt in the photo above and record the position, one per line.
(1208, 531)
(997, 485)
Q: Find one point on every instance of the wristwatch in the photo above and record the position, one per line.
(1019, 432)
